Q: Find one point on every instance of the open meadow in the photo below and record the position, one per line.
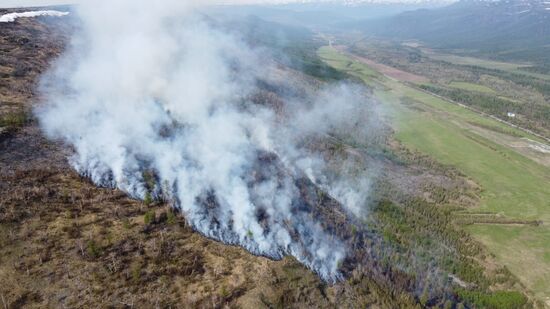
(515, 187)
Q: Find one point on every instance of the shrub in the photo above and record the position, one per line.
(13, 120)
(136, 272)
(171, 218)
(93, 249)
(149, 178)
(126, 223)
(149, 217)
(497, 300)
(148, 199)
(224, 292)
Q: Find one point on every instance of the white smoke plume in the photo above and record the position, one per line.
(11, 17)
(151, 87)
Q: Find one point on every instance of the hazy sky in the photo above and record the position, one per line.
(17, 3)
(20, 3)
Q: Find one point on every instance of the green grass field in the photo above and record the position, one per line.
(485, 63)
(344, 63)
(471, 87)
(513, 185)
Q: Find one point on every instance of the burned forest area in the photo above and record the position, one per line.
(66, 242)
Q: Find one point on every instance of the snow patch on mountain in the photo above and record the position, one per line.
(11, 17)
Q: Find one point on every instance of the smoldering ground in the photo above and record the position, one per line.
(156, 101)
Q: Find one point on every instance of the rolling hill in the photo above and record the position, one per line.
(507, 29)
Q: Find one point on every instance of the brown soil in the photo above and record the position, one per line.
(392, 72)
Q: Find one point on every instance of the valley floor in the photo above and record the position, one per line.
(512, 167)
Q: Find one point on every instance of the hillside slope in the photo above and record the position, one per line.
(510, 28)
(66, 242)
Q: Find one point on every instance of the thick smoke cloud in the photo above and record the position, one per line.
(156, 101)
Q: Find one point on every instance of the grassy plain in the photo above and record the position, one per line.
(514, 186)
(485, 63)
(471, 87)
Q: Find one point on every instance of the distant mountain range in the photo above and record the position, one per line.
(509, 28)
(358, 2)
(323, 15)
